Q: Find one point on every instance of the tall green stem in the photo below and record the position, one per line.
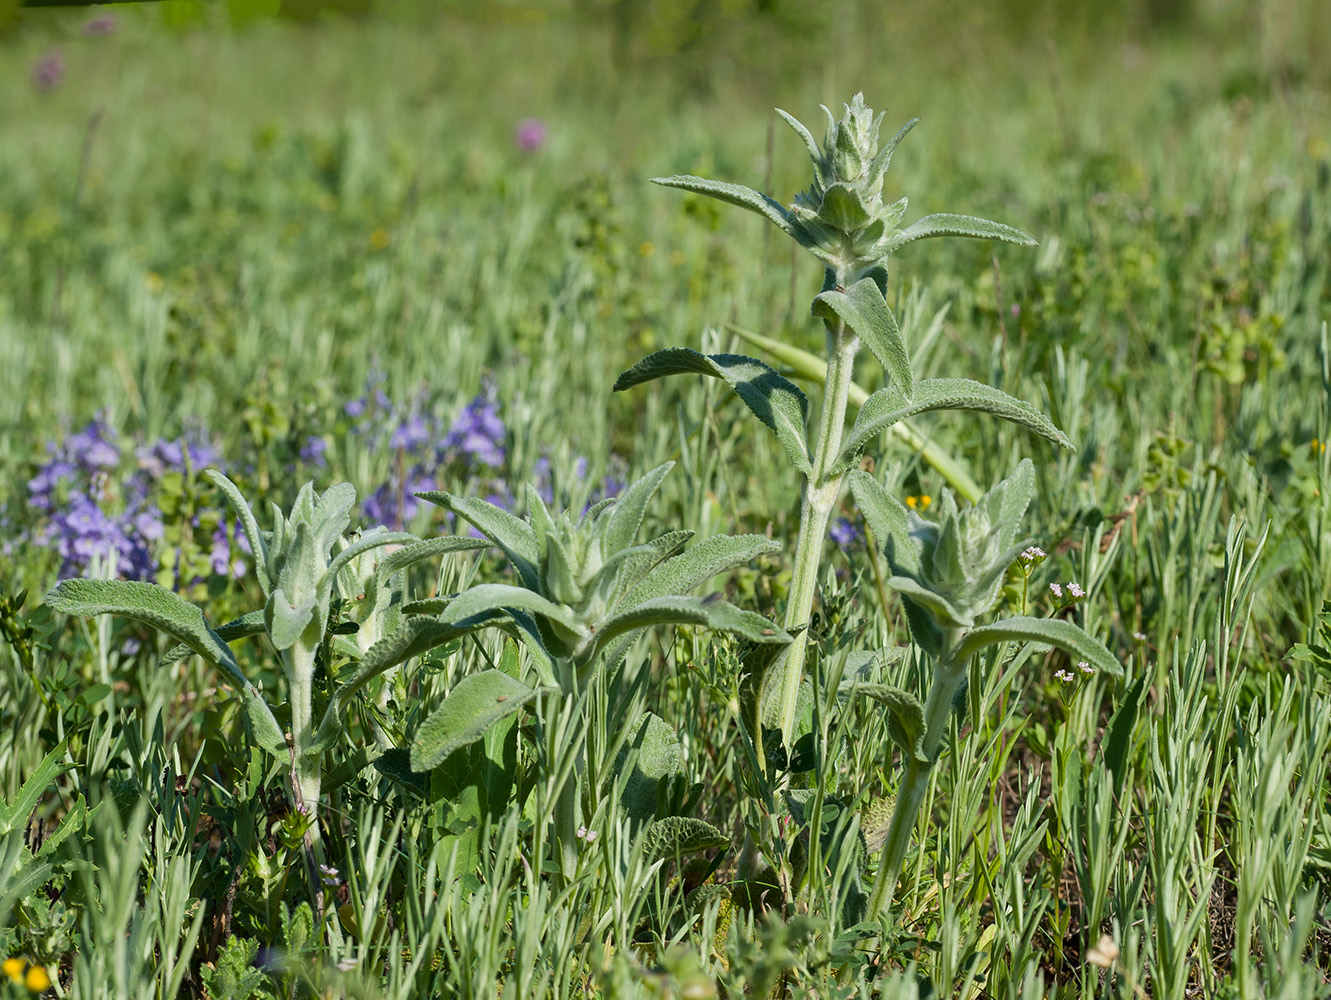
(566, 802)
(949, 673)
(306, 769)
(820, 495)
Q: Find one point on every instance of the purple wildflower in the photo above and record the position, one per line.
(42, 487)
(410, 434)
(530, 134)
(100, 27)
(845, 533)
(49, 71)
(312, 451)
(93, 448)
(478, 433)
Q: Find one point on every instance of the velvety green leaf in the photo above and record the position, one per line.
(651, 754)
(957, 225)
(939, 607)
(627, 513)
(15, 814)
(287, 622)
(1051, 631)
(240, 628)
(513, 535)
(700, 563)
(500, 596)
(419, 551)
(735, 194)
(888, 406)
(413, 637)
(843, 208)
(247, 520)
(366, 542)
(473, 705)
(172, 614)
(883, 160)
(863, 308)
(710, 611)
(674, 836)
(815, 154)
(332, 515)
(887, 518)
(905, 721)
(772, 398)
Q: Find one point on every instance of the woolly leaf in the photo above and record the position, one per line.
(944, 224)
(513, 535)
(1066, 636)
(674, 836)
(473, 705)
(735, 194)
(863, 308)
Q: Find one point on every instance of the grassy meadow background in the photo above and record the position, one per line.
(228, 229)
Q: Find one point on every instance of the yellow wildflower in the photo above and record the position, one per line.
(14, 969)
(37, 980)
(920, 502)
(380, 238)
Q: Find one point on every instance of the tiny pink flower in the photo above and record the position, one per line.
(1056, 590)
(1075, 591)
(1085, 667)
(529, 136)
(100, 27)
(49, 71)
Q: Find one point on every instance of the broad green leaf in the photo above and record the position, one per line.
(700, 563)
(513, 535)
(773, 399)
(15, 814)
(905, 720)
(331, 515)
(172, 614)
(806, 366)
(888, 406)
(843, 208)
(887, 518)
(240, 628)
(710, 611)
(944, 224)
(735, 194)
(674, 836)
(1051, 631)
(418, 551)
(627, 512)
(412, 638)
(863, 308)
(248, 522)
(650, 755)
(939, 607)
(287, 622)
(501, 596)
(473, 705)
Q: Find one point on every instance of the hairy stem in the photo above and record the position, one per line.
(306, 770)
(820, 494)
(949, 674)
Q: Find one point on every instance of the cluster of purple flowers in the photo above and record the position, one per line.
(86, 513)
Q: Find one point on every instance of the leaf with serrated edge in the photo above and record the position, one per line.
(512, 534)
(1073, 640)
(498, 596)
(674, 836)
(771, 397)
(15, 814)
(473, 705)
(712, 612)
(887, 406)
(427, 549)
(945, 224)
(371, 540)
(243, 627)
(735, 194)
(412, 638)
(863, 308)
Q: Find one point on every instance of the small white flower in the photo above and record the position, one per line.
(1139, 636)
(1075, 591)
(1085, 667)
(1034, 554)
(1056, 590)
(581, 832)
(1064, 675)
(329, 875)
(591, 837)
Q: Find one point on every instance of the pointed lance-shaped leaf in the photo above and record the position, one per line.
(513, 535)
(887, 518)
(247, 520)
(888, 406)
(626, 515)
(368, 541)
(863, 308)
(473, 705)
(1073, 640)
(501, 596)
(332, 515)
(699, 564)
(843, 208)
(772, 398)
(172, 614)
(736, 194)
(943, 611)
(945, 224)
(286, 621)
(883, 160)
(418, 551)
(413, 637)
(815, 154)
(710, 611)
(246, 625)
(17, 813)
